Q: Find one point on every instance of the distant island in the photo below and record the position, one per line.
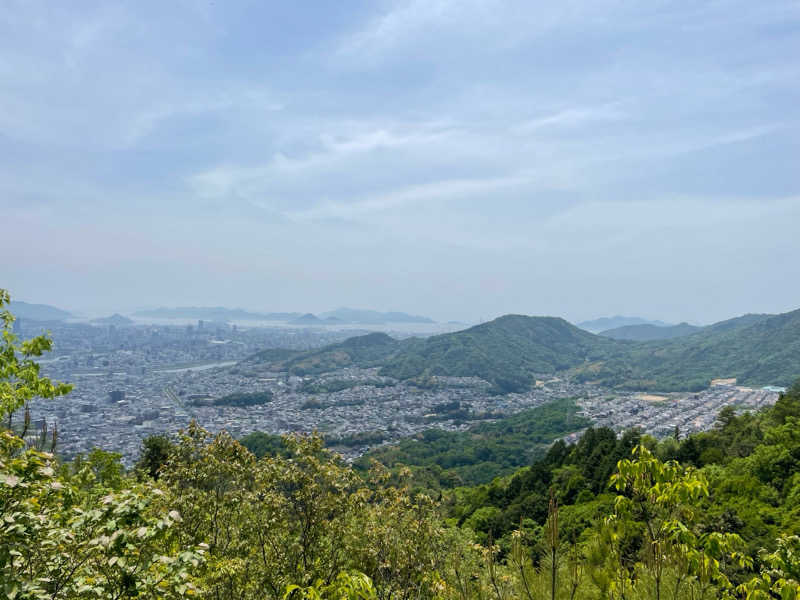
(37, 312)
(307, 319)
(340, 316)
(116, 319)
(608, 323)
(373, 317)
(217, 313)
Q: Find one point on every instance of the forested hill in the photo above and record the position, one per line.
(756, 349)
(647, 332)
(372, 349)
(508, 351)
(483, 452)
(511, 351)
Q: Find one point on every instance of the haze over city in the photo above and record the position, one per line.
(450, 159)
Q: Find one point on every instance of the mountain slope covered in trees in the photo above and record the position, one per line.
(508, 351)
(647, 332)
(606, 323)
(757, 350)
(511, 351)
(485, 450)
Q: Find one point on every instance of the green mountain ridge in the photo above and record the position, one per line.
(647, 332)
(755, 349)
(508, 352)
(363, 351)
(511, 351)
(606, 323)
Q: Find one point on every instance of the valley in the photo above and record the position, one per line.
(371, 389)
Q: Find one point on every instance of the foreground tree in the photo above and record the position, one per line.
(20, 381)
(59, 538)
(780, 575)
(663, 498)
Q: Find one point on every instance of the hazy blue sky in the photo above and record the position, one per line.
(456, 159)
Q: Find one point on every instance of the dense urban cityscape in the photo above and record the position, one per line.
(134, 381)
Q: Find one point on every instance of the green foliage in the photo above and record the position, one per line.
(507, 352)
(365, 350)
(273, 355)
(486, 450)
(153, 454)
(277, 521)
(60, 539)
(264, 444)
(244, 399)
(756, 349)
(577, 474)
(337, 385)
(346, 586)
(780, 575)
(98, 472)
(361, 438)
(19, 373)
(662, 497)
(647, 332)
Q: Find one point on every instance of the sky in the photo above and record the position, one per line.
(457, 159)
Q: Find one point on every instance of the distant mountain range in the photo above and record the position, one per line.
(609, 323)
(307, 319)
(512, 351)
(373, 317)
(37, 312)
(647, 332)
(116, 319)
(340, 316)
(217, 313)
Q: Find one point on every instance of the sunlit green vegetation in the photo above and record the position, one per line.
(244, 399)
(486, 450)
(328, 386)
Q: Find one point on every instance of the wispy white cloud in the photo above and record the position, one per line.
(330, 150)
(533, 146)
(415, 197)
(255, 101)
(572, 117)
